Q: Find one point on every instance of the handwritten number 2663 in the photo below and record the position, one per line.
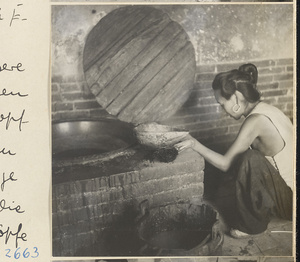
(26, 254)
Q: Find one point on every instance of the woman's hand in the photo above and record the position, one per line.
(190, 142)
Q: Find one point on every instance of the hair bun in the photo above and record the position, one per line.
(250, 70)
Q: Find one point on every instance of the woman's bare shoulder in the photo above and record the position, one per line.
(259, 122)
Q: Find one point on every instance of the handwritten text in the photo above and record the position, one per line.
(7, 233)
(9, 118)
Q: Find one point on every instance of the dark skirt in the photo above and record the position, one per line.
(261, 193)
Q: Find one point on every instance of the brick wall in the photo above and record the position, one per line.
(206, 120)
(201, 115)
(81, 210)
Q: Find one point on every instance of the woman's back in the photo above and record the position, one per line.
(279, 140)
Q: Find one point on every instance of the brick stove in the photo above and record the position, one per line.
(142, 71)
(84, 209)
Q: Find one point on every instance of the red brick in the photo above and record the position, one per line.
(220, 139)
(266, 86)
(231, 66)
(76, 201)
(89, 185)
(88, 95)
(55, 117)
(125, 178)
(180, 194)
(201, 92)
(69, 115)
(140, 189)
(72, 96)
(264, 63)
(67, 87)
(195, 122)
(57, 106)
(274, 93)
(186, 111)
(161, 170)
(114, 181)
(61, 190)
(199, 126)
(90, 198)
(165, 198)
(198, 174)
(56, 79)
(56, 98)
(270, 70)
(210, 132)
(81, 214)
(104, 182)
(189, 120)
(165, 184)
(75, 229)
(103, 196)
(172, 183)
(135, 176)
(207, 100)
(103, 208)
(63, 204)
(63, 218)
(210, 117)
(86, 105)
(265, 79)
(54, 88)
(78, 186)
(287, 61)
(286, 99)
(197, 100)
(286, 84)
(115, 194)
(269, 100)
(70, 79)
(219, 123)
(283, 77)
(290, 106)
(203, 85)
(94, 212)
(205, 77)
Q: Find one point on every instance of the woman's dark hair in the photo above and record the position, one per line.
(243, 79)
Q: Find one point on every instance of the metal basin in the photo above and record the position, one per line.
(179, 229)
(81, 139)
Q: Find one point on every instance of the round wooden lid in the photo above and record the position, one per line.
(139, 64)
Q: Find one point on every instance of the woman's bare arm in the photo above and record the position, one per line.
(248, 132)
